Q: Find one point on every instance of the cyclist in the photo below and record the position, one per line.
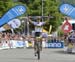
(38, 31)
(71, 37)
(71, 40)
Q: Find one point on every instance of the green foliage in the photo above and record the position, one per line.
(60, 33)
(50, 7)
(34, 8)
(5, 5)
(68, 1)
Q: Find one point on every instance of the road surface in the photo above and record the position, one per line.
(27, 55)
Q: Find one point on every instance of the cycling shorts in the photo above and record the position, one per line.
(37, 34)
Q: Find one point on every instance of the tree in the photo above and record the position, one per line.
(34, 8)
(52, 7)
(5, 5)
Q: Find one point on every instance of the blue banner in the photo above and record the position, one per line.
(20, 44)
(68, 10)
(55, 45)
(12, 13)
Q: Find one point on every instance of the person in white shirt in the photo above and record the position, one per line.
(38, 26)
(38, 31)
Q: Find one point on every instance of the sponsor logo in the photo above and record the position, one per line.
(55, 45)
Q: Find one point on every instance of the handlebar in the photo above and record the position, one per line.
(40, 16)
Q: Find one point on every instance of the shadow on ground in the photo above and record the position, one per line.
(63, 52)
(24, 58)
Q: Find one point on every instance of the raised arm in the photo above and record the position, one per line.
(48, 18)
(47, 21)
(28, 19)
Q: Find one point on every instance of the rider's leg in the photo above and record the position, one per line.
(40, 45)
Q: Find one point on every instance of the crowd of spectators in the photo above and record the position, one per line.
(6, 39)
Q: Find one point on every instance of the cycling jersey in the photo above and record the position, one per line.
(38, 26)
(72, 37)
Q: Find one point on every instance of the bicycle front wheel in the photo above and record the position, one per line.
(38, 53)
(38, 50)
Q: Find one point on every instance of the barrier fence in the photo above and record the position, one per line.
(20, 43)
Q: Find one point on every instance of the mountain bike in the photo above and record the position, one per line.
(38, 46)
